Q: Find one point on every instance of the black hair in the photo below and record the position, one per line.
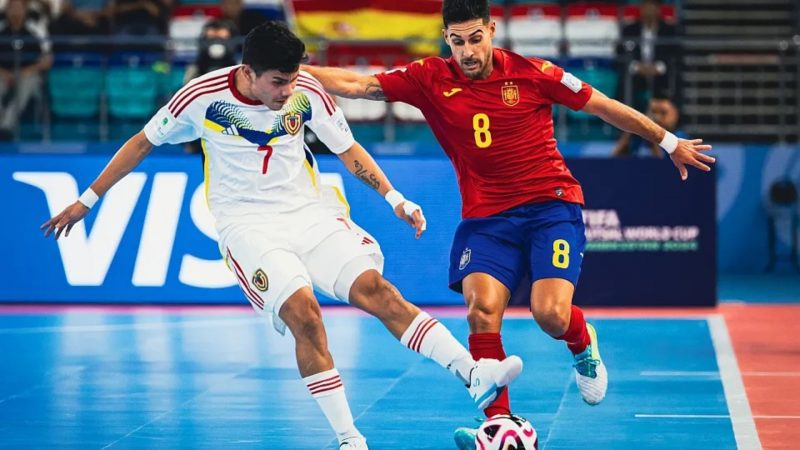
(457, 11)
(272, 46)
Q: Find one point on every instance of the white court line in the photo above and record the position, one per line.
(678, 373)
(744, 427)
(705, 416)
(683, 416)
(543, 446)
(700, 373)
(132, 326)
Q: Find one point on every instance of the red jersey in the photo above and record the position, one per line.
(498, 132)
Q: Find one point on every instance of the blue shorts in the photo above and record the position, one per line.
(543, 240)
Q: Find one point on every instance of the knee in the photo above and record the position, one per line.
(304, 318)
(483, 316)
(552, 317)
(379, 297)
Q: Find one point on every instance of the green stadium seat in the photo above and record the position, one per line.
(75, 91)
(132, 92)
(171, 81)
(601, 78)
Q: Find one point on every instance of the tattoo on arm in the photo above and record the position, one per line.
(368, 178)
(374, 91)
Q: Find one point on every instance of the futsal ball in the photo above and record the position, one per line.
(504, 432)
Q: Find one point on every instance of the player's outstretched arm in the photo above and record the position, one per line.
(683, 152)
(346, 83)
(361, 164)
(127, 157)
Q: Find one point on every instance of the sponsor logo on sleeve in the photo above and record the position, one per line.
(341, 123)
(571, 82)
(165, 122)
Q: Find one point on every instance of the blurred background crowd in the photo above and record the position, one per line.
(96, 70)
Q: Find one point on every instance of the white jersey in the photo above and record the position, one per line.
(256, 160)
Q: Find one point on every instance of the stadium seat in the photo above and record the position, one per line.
(362, 110)
(591, 29)
(601, 75)
(407, 113)
(353, 53)
(171, 80)
(631, 12)
(132, 92)
(598, 73)
(535, 29)
(185, 27)
(75, 84)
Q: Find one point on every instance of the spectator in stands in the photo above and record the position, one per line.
(21, 69)
(663, 112)
(140, 17)
(244, 20)
(216, 48)
(82, 17)
(648, 54)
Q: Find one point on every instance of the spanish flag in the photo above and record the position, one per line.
(418, 21)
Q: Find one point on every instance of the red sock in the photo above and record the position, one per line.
(489, 345)
(577, 336)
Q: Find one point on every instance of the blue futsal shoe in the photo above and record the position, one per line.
(590, 372)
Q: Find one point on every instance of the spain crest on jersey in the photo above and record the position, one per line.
(510, 93)
(292, 122)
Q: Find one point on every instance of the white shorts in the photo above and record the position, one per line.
(272, 260)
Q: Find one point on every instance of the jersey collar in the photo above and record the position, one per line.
(239, 96)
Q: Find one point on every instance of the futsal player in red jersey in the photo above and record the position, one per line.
(491, 111)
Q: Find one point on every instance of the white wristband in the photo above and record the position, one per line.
(394, 198)
(669, 143)
(88, 198)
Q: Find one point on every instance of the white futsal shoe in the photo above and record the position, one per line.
(354, 443)
(590, 372)
(490, 376)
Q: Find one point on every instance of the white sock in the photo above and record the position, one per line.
(328, 390)
(431, 339)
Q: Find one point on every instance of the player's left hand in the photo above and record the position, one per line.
(65, 220)
(688, 153)
(411, 213)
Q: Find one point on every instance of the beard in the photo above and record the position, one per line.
(476, 70)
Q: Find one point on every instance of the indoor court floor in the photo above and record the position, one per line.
(95, 377)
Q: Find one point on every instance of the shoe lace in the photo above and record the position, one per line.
(585, 364)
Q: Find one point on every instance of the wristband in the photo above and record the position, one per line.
(88, 198)
(394, 198)
(669, 143)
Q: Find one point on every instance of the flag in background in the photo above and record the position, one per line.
(418, 21)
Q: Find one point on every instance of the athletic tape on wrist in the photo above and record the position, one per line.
(669, 143)
(88, 198)
(394, 198)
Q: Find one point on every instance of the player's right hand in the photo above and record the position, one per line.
(71, 215)
(411, 213)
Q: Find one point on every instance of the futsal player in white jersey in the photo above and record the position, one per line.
(281, 231)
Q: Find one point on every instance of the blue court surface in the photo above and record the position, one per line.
(221, 378)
